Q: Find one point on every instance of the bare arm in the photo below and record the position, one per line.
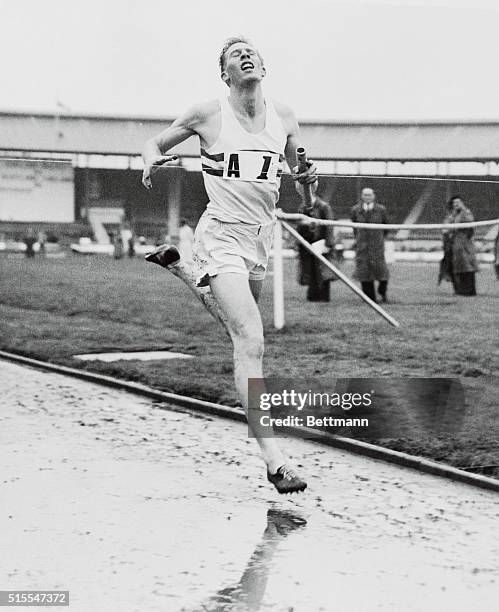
(154, 153)
(292, 129)
(293, 142)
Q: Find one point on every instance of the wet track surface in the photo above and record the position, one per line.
(133, 508)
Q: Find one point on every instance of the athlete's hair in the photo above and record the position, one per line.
(232, 41)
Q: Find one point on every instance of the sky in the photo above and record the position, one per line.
(328, 60)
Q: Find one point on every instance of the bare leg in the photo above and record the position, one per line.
(168, 257)
(233, 302)
(237, 302)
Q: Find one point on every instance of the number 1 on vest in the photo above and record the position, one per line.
(251, 166)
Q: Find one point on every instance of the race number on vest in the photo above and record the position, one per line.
(259, 166)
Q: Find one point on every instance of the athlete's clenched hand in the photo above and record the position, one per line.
(309, 176)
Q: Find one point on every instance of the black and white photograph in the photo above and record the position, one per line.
(249, 305)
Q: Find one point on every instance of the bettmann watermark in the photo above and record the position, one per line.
(361, 407)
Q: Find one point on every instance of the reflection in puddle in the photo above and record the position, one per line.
(248, 593)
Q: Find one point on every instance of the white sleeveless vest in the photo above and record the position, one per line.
(242, 171)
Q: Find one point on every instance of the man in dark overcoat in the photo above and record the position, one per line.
(311, 271)
(370, 263)
(464, 261)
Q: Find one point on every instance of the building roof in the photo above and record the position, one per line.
(340, 140)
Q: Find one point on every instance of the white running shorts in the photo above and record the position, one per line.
(240, 248)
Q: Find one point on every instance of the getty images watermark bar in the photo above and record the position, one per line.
(34, 598)
(370, 408)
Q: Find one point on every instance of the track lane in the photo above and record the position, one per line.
(134, 508)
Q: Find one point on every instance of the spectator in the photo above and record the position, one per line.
(370, 260)
(42, 241)
(29, 241)
(461, 248)
(128, 239)
(117, 241)
(445, 272)
(311, 271)
(131, 246)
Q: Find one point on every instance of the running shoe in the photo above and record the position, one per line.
(165, 255)
(286, 481)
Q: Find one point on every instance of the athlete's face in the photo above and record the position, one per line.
(242, 64)
(367, 196)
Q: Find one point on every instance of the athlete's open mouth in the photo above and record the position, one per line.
(247, 66)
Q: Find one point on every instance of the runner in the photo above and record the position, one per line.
(244, 141)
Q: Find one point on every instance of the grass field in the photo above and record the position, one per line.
(54, 308)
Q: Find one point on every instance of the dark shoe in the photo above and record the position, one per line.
(286, 481)
(165, 255)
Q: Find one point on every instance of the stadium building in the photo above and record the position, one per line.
(80, 175)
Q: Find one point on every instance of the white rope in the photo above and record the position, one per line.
(341, 276)
(385, 226)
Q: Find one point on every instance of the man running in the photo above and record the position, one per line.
(244, 141)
